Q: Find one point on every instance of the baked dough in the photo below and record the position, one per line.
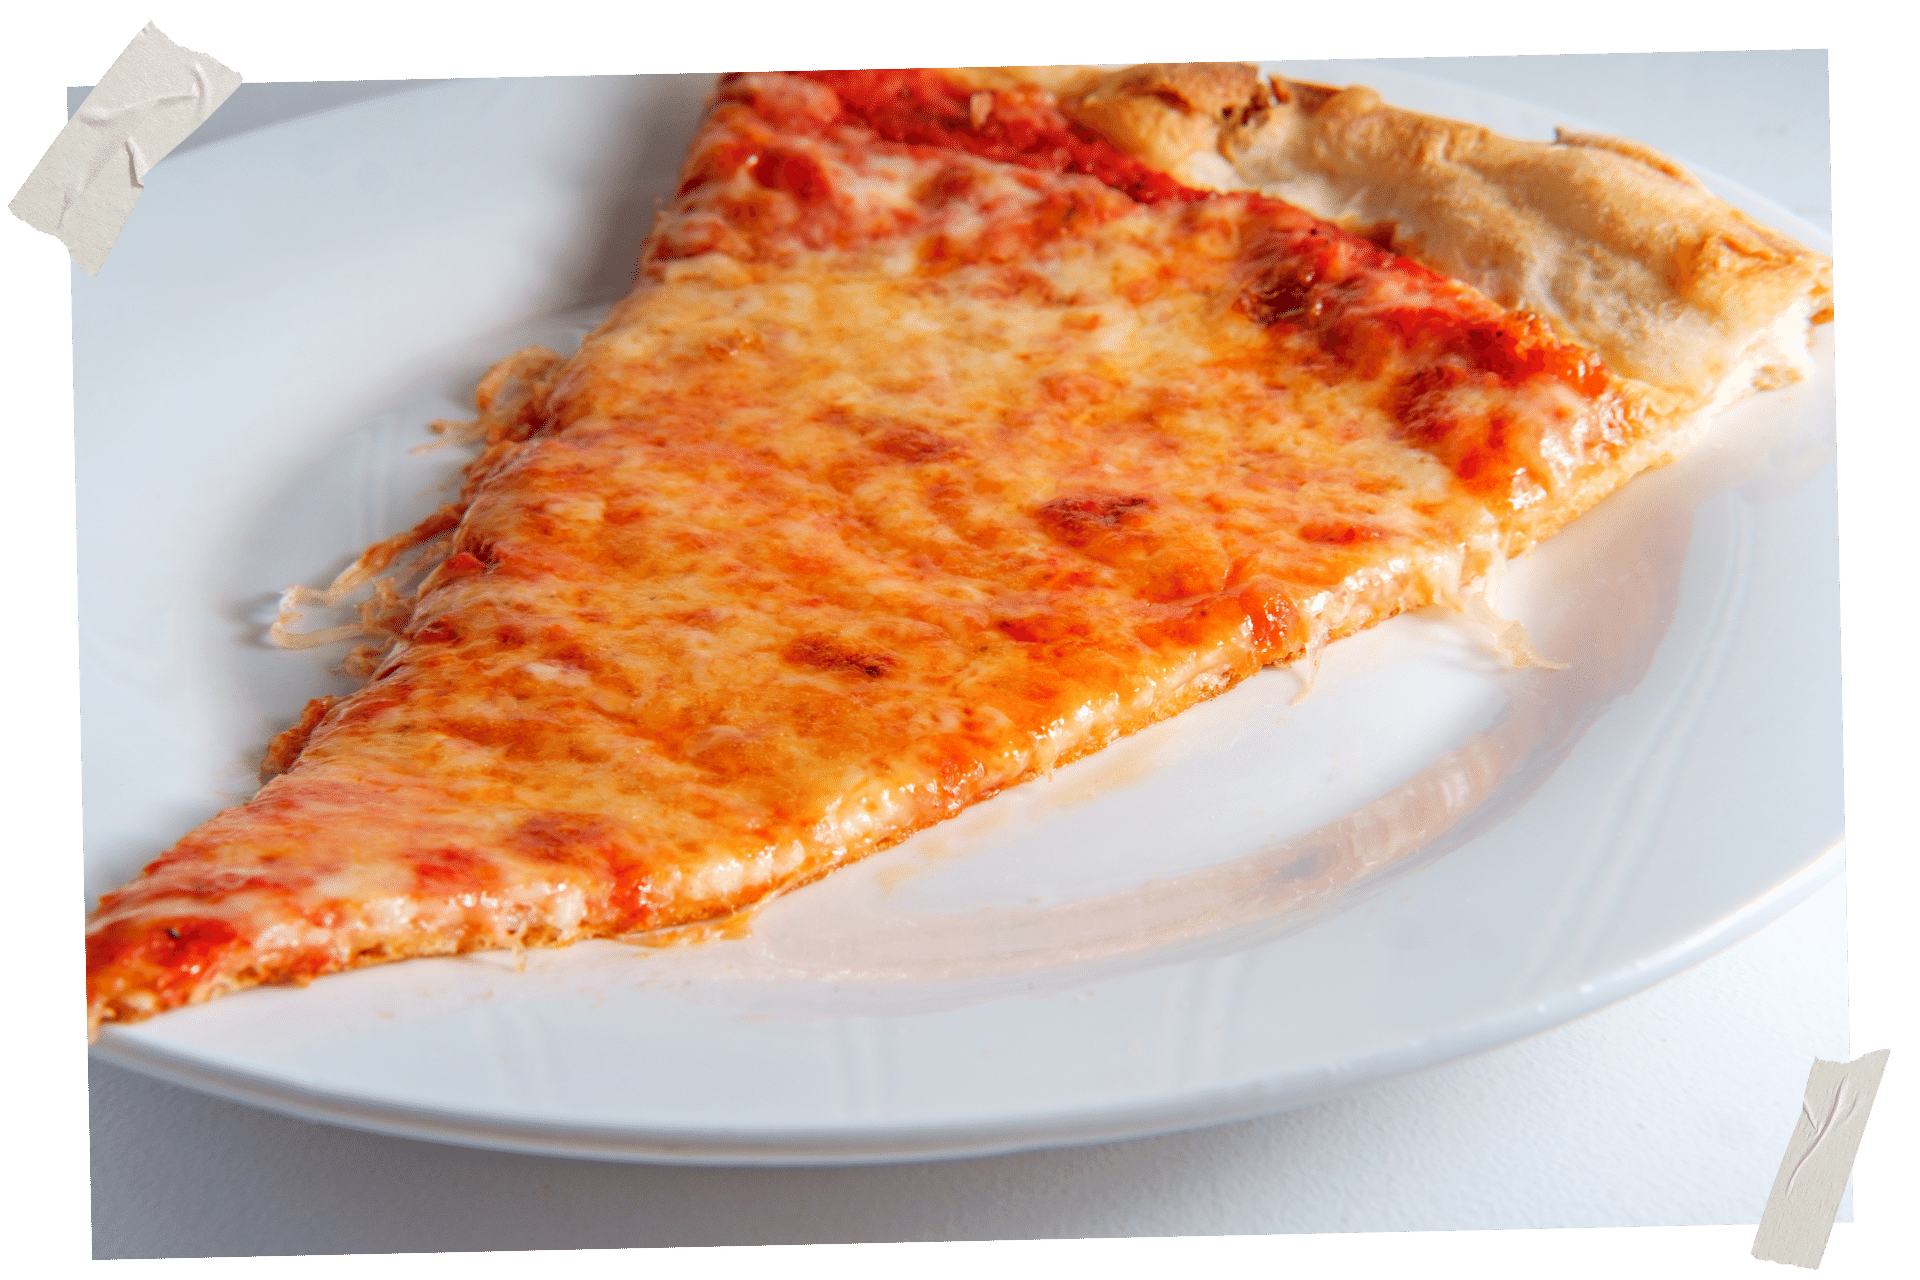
(1615, 245)
(942, 440)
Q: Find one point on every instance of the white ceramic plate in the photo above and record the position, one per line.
(1251, 907)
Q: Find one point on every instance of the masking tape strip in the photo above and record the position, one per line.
(149, 101)
(1813, 1174)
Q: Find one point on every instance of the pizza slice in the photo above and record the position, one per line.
(959, 423)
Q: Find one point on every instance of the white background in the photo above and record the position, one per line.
(1669, 1109)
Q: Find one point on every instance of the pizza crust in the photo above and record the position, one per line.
(1174, 115)
(1614, 245)
(876, 613)
(1169, 115)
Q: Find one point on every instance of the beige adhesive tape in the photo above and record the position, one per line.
(1813, 1175)
(149, 101)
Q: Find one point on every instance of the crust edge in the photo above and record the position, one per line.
(1612, 243)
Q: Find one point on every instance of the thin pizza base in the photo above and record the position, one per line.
(849, 521)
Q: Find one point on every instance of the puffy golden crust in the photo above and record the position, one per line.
(1168, 114)
(1609, 241)
(1636, 151)
(1688, 301)
(1614, 244)
(1173, 115)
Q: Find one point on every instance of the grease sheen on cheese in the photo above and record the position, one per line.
(909, 469)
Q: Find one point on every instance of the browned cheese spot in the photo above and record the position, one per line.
(1080, 519)
(830, 653)
(914, 444)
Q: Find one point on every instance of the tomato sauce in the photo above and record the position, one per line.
(926, 108)
(1322, 279)
(176, 951)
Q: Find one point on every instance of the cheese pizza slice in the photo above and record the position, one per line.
(958, 424)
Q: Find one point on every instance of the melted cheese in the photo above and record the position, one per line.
(902, 476)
